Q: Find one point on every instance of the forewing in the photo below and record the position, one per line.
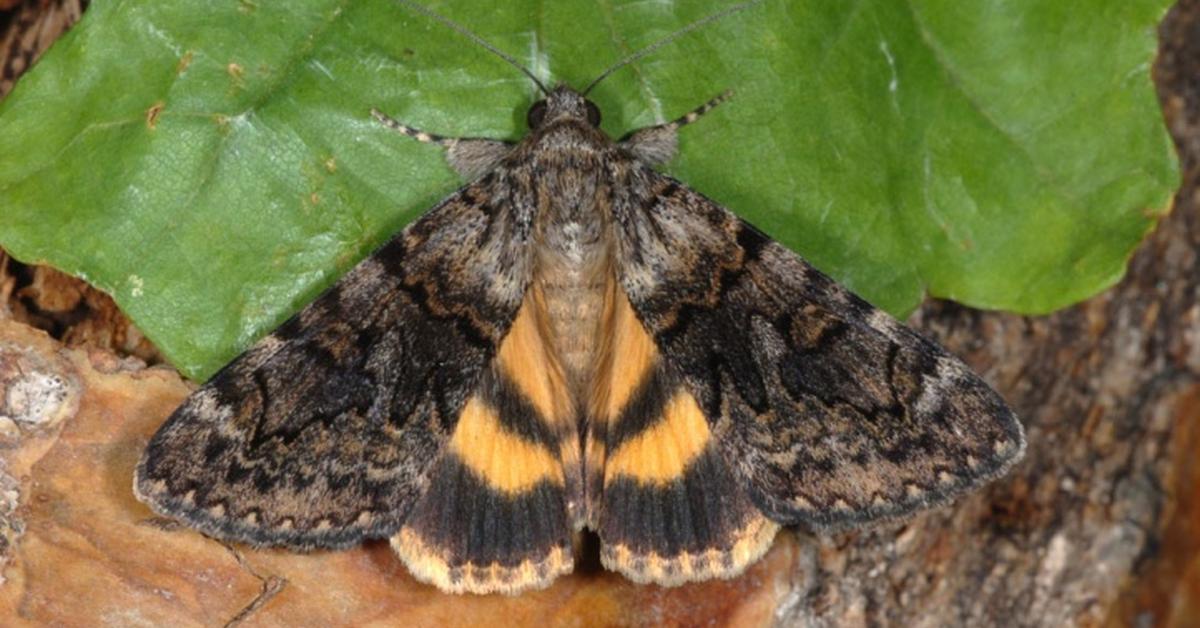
(324, 432)
(831, 412)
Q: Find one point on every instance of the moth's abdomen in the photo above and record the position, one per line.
(573, 304)
(571, 269)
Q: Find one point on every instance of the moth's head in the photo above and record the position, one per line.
(562, 102)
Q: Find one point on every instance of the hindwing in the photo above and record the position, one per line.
(495, 517)
(666, 504)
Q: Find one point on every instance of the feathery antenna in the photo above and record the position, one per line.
(462, 30)
(668, 39)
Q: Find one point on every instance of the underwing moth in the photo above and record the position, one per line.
(574, 340)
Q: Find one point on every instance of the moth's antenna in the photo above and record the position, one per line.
(668, 39)
(462, 30)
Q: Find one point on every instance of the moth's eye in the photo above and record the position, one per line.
(593, 113)
(536, 114)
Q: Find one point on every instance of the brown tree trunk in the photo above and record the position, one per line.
(1098, 524)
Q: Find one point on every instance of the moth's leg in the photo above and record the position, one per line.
(656, 145)
(471, 157)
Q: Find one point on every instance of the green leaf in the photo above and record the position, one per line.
(214, 168)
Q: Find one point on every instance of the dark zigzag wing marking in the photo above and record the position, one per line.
(831, 412)
(322, 433)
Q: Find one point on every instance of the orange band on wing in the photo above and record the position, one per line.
(530, 364)
(661, 453)
(504, 461)
(629, 356)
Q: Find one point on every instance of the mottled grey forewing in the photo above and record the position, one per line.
(323, 432)
(831, 411)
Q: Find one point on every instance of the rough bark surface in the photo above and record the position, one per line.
(1098, 525)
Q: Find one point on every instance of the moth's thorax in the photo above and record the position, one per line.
(566, 141)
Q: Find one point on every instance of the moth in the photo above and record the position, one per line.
(574, 340)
